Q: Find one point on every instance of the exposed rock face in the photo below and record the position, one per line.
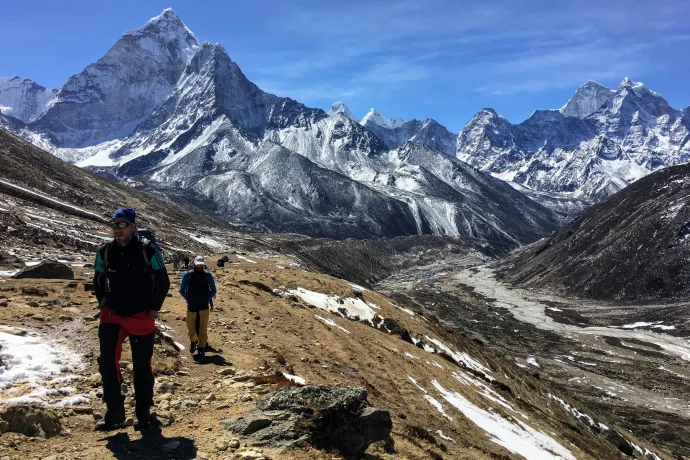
(48, 269)
(31, 421)
(325, 417)
(23, 98)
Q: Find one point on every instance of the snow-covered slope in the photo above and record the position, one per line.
(110, 97)
(396, 132)
(23, 98)
(632, 133)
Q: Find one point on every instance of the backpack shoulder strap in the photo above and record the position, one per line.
(147, 247)
(105, 257)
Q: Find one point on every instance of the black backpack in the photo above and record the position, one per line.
(144, 246)
(150, 236)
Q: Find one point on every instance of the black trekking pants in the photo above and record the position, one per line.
(112, 332)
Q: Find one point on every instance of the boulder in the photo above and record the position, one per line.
(323, 416)
(31, 421)
(48, 269)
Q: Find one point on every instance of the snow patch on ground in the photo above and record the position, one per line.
(443, 436)
(295, 378)
(461, 357)
(350, 307)
(532, 361)
(30, 364)
(518, 437)
(330, 322)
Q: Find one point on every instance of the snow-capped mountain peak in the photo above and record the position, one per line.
(340, 107)
(587, 99)
(374, 117)
(110, 97)
(170, 26)
(23, 99)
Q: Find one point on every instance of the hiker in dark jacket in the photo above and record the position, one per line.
(198, 288)
(131, 284)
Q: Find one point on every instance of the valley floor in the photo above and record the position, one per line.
(631, 361)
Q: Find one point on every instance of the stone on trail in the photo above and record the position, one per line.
(326, 417)
(48, 269)
(31, 421)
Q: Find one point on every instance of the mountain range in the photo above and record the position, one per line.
(601, 140)
(163, 110)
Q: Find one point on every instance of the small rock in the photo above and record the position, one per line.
(33, 304)
(65, 318)
(222, 445)
(165, 387)
(97, 416)
(94, 380)
(165, 418)
(211, 397)
(235, 443)
(129, 421)
(83, 410)
(201, 456)
(182, 373)
(124, 364)
(4, 302)
(227, 371)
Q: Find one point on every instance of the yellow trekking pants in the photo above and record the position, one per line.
(203, 327)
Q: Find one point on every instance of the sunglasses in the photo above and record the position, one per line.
(122, 225)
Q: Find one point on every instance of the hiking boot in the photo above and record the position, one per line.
(142, 420)
(114, 418)
(201, 353)
(192, 347)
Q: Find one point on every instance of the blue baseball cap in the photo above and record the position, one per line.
(125, 213)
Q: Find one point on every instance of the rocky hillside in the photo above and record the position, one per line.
(634, 245)
(280, 336)
(45, 201)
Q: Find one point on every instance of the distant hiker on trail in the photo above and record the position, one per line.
(131, 284)
(186, 262)
(198, 288)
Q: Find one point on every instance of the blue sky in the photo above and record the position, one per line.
(409, 59)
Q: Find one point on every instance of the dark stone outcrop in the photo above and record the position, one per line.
(325, 417)
(48, 269)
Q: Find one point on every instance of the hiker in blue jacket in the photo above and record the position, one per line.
(198, 288)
